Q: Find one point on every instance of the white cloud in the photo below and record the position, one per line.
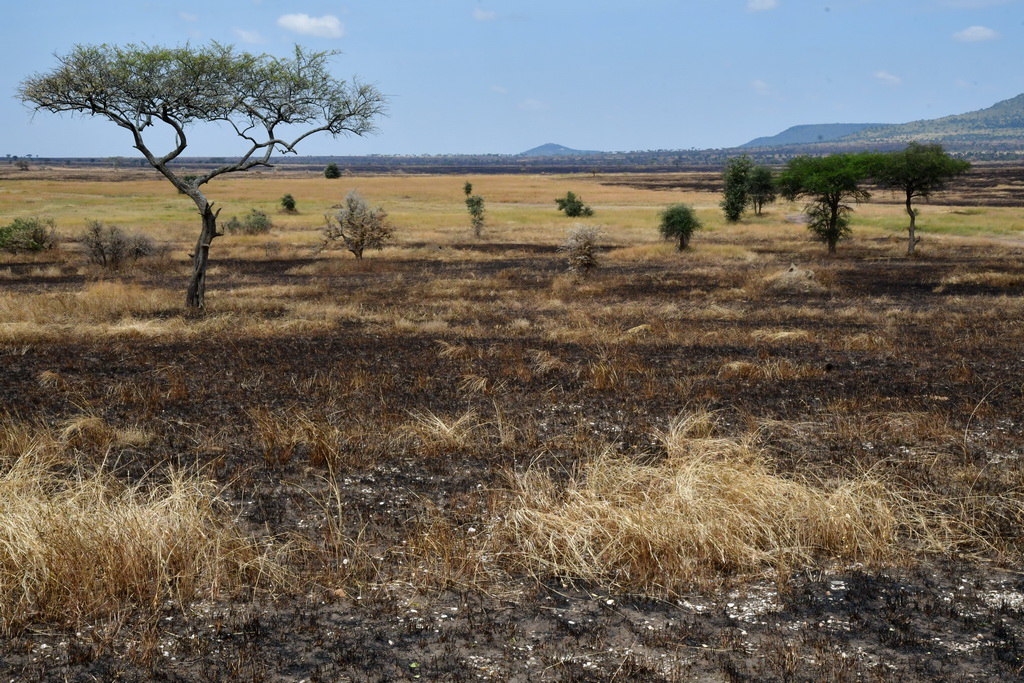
(533, 105)
(501, 90)
(761, 5)
(888, 78)
(326, 26)
(247, 36)
(975, 34)
(760, 87)
(484, 15)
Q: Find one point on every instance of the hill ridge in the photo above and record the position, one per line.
(1001, 124)
(811, 133)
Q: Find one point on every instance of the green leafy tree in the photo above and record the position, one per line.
(468, 188)
(830, 183)
(573, 206)
(159, 93)
(679, 222)
(735, 179)
(760, 188)
(288, 203)
(358, 226)
(918, 171)
(332, 172)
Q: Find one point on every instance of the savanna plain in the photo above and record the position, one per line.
(455, 460)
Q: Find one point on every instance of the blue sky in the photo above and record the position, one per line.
(502, 76)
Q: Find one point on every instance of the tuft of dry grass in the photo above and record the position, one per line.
(713, 506)
(435, 435)
(769, 370)
(87, 546)
(986, 278)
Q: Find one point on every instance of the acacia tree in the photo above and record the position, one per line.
(830, 183)
(272, 104)
(917, 171)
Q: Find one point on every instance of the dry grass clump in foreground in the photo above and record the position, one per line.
(712, 507)
(84, 546)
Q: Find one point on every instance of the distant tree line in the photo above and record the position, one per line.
(832, 184)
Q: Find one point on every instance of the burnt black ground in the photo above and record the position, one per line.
(939, 618)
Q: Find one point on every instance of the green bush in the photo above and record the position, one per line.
(28, 234)
(573, 206)
(288, 203)
(679, 222)
(332, 171)
(255, 223)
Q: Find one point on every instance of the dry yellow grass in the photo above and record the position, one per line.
(87, 546)
(713, 505)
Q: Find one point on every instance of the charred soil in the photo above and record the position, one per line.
(319, 435)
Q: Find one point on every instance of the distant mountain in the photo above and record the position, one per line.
(553, 150)
(800, 135)
(1003, 122)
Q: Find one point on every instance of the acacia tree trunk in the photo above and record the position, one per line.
(912, 241)
(195, 298)
(833, 227)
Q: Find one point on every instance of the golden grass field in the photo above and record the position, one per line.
(455, 460)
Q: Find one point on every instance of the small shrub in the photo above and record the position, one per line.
(111, 247)
(332, 171)
(475, 206)
(28, 234)
(255, 223)
(573, 206)
(581, 250)
(358, 226)
(288, 203)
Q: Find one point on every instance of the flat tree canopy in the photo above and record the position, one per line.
(830, 183)
(272, 105)
(918, 171)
